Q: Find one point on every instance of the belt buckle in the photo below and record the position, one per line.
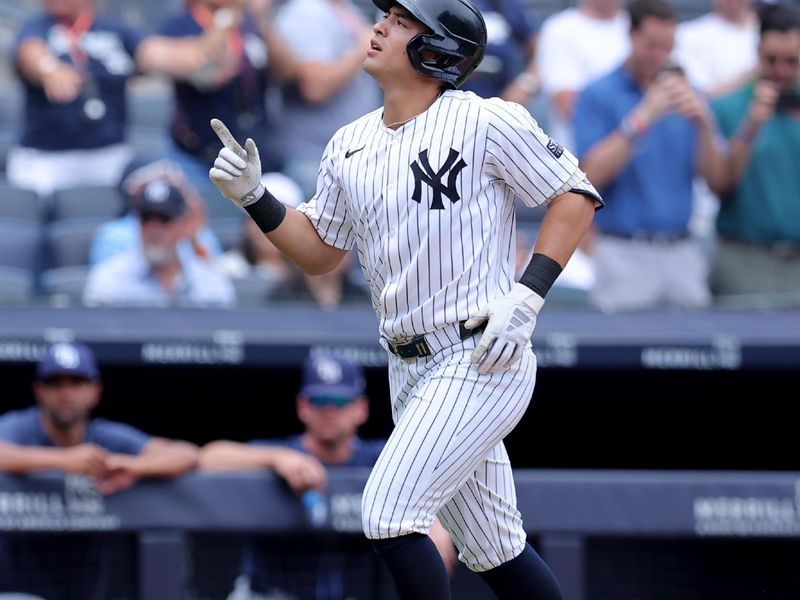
(414, 348)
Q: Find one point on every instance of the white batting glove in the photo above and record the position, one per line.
(512, 319)
(236, 171)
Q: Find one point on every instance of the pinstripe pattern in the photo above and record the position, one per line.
(446, 455)
(429, 268)
(430, 208)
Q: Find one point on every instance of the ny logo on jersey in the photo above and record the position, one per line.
(424, 173)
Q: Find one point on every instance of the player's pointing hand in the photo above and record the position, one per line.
(236, 171)
(512, 319)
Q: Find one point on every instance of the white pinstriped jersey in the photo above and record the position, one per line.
(430, 205)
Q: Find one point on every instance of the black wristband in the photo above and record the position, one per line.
(540, 274)
(268, 212)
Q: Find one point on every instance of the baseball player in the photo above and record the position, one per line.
(424, 188)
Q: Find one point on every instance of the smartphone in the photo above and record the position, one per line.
(788, 100)
(672, 67)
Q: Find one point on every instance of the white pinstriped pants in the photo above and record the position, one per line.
(446, 457)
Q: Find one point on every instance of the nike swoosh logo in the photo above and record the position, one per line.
(350, 153)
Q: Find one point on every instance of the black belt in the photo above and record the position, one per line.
(418, 346)
(650, 236)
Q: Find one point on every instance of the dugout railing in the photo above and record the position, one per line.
(606, 534)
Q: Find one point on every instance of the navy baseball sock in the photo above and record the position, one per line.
(525, 577)
(416, 567)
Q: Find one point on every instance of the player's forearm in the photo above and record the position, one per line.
(299, 241)
(712, 164)
(233, 456)
(34, 60)
(169, 459)
(740, 151)
(319, 81)
(564, 101)
(738, 160)
(567, 219)
(282, 61)
(24, 459)
(175, 57)
(606, 159)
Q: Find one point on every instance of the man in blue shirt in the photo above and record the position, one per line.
(124, 233)
(641, 134)
(58, 435)
(161, 271)
(332, 406)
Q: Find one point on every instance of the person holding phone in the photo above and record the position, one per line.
(758, 250)
(642, 135)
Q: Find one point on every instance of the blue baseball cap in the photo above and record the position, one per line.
(67, 358)
(160, 197)
(329, 375)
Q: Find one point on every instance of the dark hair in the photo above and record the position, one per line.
(775, 16)
(639, 10)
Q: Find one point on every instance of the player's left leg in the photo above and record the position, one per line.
(525, 577)
(484, 522)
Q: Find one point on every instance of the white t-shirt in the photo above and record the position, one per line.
(713, 51)
(574, 50)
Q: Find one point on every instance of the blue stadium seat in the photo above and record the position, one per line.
(16, 287)
(229, 231)
(252, 290)
(95, 201)
(64, 285)
(68, 241)
(20, 244)
(17, 203)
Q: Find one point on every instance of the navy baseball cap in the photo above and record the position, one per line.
(161, 198)
(68, 358)
(328, 375)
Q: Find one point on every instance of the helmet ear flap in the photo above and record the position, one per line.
(441, 58)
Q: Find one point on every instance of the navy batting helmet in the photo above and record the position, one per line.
(458, 40)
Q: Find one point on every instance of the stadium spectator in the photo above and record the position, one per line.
(123, 233)
(285, 283)
(642, 133)
(234, 86)
(59, 435)
(159, 272)
(332, 406)
(508, 69)
(329, 39)
(758, 248)
(576, 46)
(74, 66)
(339, 286)
(255, 255)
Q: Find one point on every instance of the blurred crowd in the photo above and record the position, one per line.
(689, 128)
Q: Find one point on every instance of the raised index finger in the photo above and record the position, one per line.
(226, 137)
